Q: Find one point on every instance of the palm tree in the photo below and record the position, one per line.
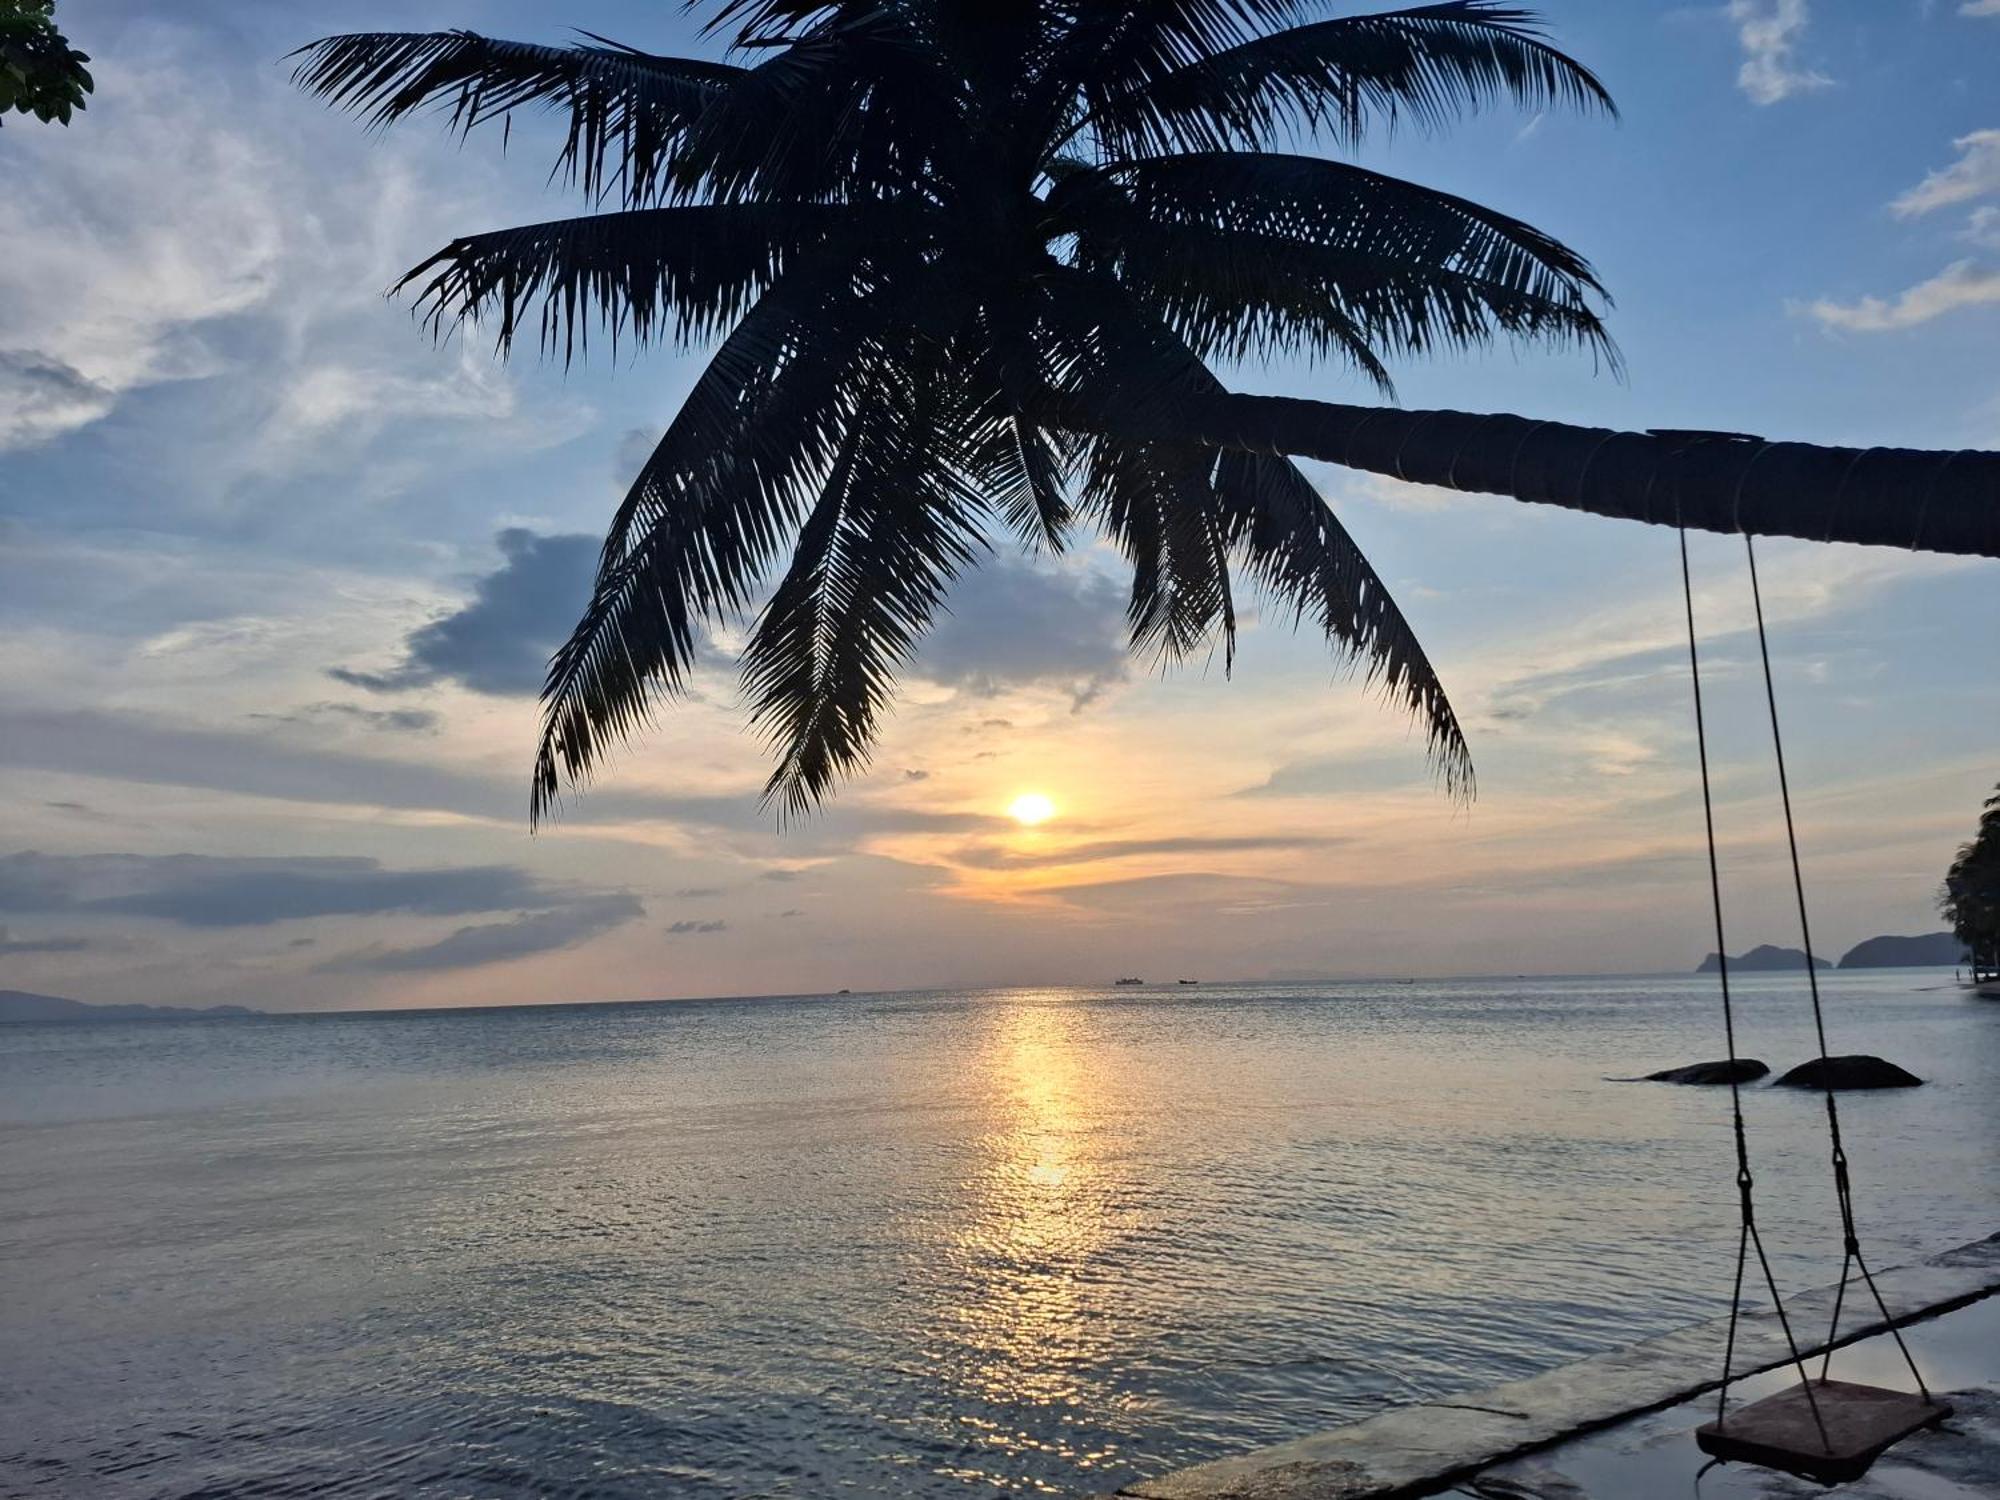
(1970, 899)
(966, 263)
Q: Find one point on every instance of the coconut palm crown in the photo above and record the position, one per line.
(964, 265)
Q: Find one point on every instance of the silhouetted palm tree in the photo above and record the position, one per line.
(968, 259)
(1970, 899)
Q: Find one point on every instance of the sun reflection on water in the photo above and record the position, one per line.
(1030, 1325)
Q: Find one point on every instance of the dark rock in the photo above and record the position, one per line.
(1763, 959)
(1743, 1070)
(1935, 950)
(1856, 1072)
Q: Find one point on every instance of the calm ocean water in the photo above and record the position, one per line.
(922, 1244)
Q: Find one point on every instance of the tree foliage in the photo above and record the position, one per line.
(40, 73)
(922, 237)
(1970, 900)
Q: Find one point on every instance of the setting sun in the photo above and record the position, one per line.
(1031, 808)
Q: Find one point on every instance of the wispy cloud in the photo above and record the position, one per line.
(1770, 31)
(121, 256)
(993, 857)
(1976, 174)
(496, 942)
(1963, 283)
(1980, 8)
(13, 947)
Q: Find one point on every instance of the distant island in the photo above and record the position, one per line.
(20, 1005)
(1762, 959)
(1933, 950)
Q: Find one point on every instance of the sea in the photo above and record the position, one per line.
(1040, 1241)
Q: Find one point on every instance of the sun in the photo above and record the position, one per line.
(1031, 808)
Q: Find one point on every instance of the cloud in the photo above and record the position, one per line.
(635, 446)
(395, 720)
(120, 257)
(11, 946)
(1203, 893)
(1401, 495)
(1963, 283)
(1976, 174)
(1014, 623)
(1769, 31)
(209, 891)
(1344, 775)
(1983, 228)
(698, 892)
(1980, 8)
(1000, 858)
(497, 942)
(81, 810)
(155, 752)
(679, 928)
(40, 396)
(501, 641)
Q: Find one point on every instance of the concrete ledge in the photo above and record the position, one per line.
(1416, 1450)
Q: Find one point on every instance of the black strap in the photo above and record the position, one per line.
(1843, 1190)
(1749, 1238)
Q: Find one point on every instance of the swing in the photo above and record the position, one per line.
(1821, 1429)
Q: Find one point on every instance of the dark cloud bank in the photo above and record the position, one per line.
(501, 641)
(1014, 622)
(209, 891)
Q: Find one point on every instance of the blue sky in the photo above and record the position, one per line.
(277, 572)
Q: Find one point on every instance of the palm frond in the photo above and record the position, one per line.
(1266, 512)
(627, 109)
(1023, 468)
(892, 527)
(1158, 506)
(1243, 252)
(715, 502)
(1429, 63)
(1304, 558)
(853, 106)
(688, 270)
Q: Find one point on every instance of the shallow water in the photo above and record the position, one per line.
(938, 1244)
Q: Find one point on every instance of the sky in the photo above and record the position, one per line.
(278, 576)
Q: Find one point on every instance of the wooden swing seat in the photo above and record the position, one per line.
(1779, 1432)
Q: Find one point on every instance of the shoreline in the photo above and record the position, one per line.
(1426, 1447)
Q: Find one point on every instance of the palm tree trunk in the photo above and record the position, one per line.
(1900, 497)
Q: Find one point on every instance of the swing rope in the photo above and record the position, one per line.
(1851, 1257)
(1748, 1236)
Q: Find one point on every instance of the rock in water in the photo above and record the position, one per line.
(1856, 1072)
(1743, 1070)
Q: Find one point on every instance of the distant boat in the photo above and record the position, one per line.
(1187, 981)
(1131, 981)
(846, 992)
